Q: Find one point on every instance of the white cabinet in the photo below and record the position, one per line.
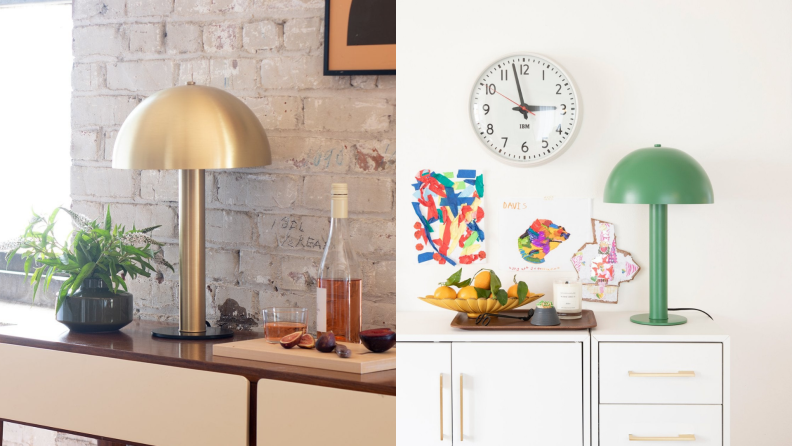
(423, 407)
(619, 383)
(509, 394)
(492, 393)
(659, 384)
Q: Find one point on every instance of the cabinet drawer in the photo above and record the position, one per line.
(122, 399)
(652, 424)
(628, 373)
(301, 414)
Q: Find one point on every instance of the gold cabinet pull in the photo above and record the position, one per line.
(681, 374)
(683, 437)
(441, 407)
(461, 410)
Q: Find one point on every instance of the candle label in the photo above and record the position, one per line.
(567, 301)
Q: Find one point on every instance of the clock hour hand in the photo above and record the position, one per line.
(539, 107)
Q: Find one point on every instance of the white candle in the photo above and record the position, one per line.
(568, 298)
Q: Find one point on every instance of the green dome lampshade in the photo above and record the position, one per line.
(658, 176)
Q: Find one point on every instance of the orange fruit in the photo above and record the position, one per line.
(445, 292)
(482, 280)
(467, 292)
(512, 291)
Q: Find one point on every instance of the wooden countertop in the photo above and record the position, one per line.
(135, 343)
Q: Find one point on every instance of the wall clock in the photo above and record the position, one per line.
(525, 109)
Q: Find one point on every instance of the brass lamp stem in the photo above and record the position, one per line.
(192, 244)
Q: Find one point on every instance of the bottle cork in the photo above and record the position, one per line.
(339, 205)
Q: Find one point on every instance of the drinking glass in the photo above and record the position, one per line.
(278, 322)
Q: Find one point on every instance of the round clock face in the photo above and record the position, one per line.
(525, 109)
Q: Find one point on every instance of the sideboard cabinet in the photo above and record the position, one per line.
(617, 384)
(659, 384)
(488, 389)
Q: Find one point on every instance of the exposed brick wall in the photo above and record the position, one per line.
(266, 227)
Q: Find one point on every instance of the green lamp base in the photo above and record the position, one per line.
(673, 319)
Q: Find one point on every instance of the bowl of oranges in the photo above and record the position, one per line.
(483, 293)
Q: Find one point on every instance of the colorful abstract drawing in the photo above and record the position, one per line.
(547, 231)
(539, 239)
(601, 266)
(448, 210)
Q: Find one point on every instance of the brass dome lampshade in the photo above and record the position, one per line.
(191, 128)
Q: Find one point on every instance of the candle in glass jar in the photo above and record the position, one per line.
(568, 298)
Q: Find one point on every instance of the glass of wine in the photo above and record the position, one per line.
(278, 322)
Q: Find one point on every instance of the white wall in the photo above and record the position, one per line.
(711, 78)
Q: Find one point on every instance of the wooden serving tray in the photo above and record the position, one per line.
(362, 361)
(504, 323)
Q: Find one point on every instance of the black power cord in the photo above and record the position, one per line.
(690, 309)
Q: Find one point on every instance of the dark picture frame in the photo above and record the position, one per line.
(360, 45)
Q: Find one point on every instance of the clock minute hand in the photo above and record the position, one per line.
(517, 80)
(520, 108)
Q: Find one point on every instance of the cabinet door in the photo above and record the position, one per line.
(518, 393)
(423, 407)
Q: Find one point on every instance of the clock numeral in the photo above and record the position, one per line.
(489, 89)
(491, 130)
(559, 88)
(545, 143)
(505, 140)
(542, 74)
(486, 108)
(504, 75)
(563, 109)
(558, 129)
(524, 69)
(525, 147)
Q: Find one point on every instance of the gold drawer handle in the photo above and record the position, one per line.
(461, 410)
(441, 407)
(682, 374)
(683, 437)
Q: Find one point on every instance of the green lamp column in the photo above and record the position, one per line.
(658, 176)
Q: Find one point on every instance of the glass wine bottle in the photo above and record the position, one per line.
(339, 288)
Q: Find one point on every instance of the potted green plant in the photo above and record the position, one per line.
(95, 262)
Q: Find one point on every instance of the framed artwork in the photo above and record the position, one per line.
(538, 234)
(360, 37)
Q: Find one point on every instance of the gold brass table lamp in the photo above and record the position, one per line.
(191, 128)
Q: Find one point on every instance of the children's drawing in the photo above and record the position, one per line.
(542, 237)
(601, 266)
(448, 210)
(546, 232)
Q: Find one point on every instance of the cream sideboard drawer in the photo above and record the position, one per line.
(126, 400)
(301, 414)
(660, 373)
(634, 424)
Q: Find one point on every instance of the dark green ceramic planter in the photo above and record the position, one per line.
(95, 309)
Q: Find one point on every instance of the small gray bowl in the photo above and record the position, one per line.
(545, 316)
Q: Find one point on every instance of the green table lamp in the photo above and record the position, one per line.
(658, 176)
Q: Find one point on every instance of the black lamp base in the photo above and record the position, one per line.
(210, 333)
